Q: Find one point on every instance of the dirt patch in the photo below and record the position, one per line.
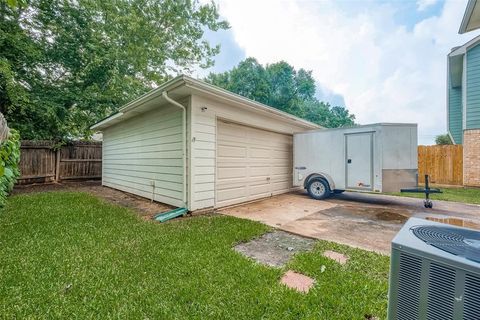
(391, 216)
(64, 186)
(275, 248)
(144, 207)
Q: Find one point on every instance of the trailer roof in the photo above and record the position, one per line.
(378, 124)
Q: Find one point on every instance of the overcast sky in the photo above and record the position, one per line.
(383, 60)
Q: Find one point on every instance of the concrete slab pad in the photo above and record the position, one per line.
(278, 210)
(347, 225)
(275, 248)
(359, 235)
(297, 281)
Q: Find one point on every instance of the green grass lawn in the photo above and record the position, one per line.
(449, 194)
(71, 255)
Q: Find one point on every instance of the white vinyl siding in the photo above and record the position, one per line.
(203, 149)
(143, 150)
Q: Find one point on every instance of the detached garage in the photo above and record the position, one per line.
(194, 145)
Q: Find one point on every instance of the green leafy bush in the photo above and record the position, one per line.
(9, 159)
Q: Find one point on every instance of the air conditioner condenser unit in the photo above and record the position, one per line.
(434, 272)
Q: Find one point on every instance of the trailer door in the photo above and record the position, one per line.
(359, 161)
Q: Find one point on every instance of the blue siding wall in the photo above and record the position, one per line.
(455, 114)
(473, 88)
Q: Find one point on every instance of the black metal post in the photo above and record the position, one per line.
(427, 188)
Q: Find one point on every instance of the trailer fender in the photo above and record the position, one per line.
(322, 176)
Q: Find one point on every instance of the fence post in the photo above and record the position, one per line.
(57, 165)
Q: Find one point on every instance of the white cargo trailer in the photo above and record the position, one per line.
(379, 157)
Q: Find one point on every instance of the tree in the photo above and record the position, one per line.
(248, 79)
(327, 116)
(281, 86)
(65, 64)
(443, 139)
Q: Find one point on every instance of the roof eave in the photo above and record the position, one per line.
(217, 91)
(152, 94)
(467, 16)
(205, 87)
(461, 50)
(167, 86)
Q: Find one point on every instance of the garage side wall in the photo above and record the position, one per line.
(143, 155)
(205, 112)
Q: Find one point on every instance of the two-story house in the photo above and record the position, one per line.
(463, 96)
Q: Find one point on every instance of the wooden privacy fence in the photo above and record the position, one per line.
(43, 162)
(443, 164)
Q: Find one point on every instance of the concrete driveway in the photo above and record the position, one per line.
(367, 221)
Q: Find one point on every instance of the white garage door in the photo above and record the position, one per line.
(251, 163)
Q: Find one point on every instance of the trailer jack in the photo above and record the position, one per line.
(427, 190)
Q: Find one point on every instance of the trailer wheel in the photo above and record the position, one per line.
(428, 204)
(318, 189)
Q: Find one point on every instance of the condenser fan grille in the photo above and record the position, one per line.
(460, 242)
